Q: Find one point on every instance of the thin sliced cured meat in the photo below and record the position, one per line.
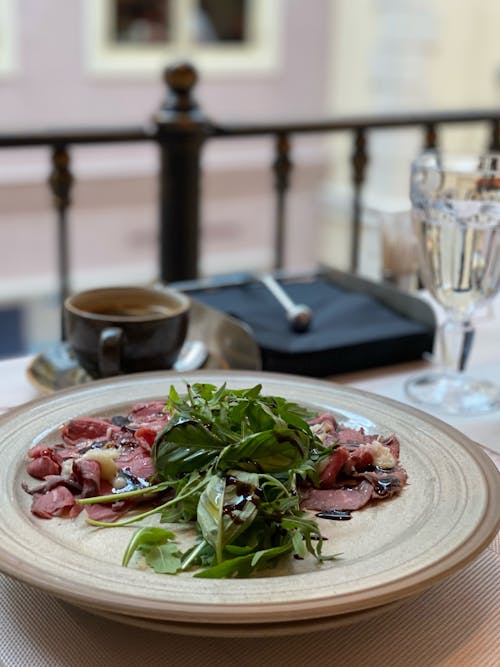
(87, 428)
(332, 467)
(88, 475)
(385, 483)
(42, 466)
(351, 436)
(142, 411)
(78, 465)
(56, 502)
(360, 467)
(350, 498)
(137, 462)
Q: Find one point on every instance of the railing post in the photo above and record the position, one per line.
(495, 136)
(282, 167)
(60, 182)
(359, 160)
(181, 128)
(430, 137)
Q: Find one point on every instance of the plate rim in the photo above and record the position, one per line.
(287, 610)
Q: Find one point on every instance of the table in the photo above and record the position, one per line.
(454, 624)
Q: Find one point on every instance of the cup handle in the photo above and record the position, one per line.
(110, 344)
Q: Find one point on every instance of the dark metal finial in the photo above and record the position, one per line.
(181, 79)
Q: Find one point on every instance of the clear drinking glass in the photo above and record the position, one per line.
(456, 221)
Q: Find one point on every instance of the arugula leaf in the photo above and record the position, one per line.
(159, 551)
(164, 559)
(201, 554)
(270, 451)
(148, 536)
(182, 447)
(226, 508)
(243, 566)
(183, 507)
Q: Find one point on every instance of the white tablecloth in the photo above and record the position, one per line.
(454, 624)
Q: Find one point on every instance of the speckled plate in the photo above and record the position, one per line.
(390, 551)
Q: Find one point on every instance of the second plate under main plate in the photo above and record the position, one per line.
(389, 551)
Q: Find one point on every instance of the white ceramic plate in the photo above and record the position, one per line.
(389, 551)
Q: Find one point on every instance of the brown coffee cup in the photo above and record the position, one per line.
(116, 330)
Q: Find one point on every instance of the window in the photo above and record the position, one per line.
(8, 30)
(139, 22)
(223, 36)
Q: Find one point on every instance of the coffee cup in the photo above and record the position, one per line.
(116, 330)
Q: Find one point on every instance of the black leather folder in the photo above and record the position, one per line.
(357, 323)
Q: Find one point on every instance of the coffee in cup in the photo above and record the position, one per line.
(116, 330)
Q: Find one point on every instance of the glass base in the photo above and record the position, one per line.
(455, 394)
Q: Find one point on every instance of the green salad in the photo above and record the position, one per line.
(228, 462)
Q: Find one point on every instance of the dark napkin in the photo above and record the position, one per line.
(351, 330)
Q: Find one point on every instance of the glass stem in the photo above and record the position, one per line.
(457, 337)
(467, 340)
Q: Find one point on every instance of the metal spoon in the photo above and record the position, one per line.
(298, 315)
(192, 356)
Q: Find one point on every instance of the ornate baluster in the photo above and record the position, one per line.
(359, 160)
(430, 137)
(282, 167)
(60, 182)
(495, 135)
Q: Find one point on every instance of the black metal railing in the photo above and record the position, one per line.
(181, 129)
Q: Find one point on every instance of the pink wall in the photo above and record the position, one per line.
(52, 88)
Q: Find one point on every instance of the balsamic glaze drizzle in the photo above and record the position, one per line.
(335, 515)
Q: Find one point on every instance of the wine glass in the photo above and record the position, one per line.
(456, 221)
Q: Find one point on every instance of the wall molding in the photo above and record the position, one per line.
(9, 33)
